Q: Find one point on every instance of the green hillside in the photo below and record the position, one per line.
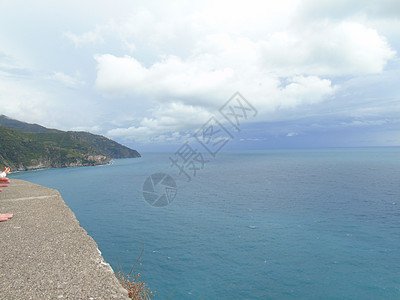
(12, 123)
(46, 148)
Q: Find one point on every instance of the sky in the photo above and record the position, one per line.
(149, 74)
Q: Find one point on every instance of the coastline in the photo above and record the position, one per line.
(111, 161)
(49, 165)
(62, 167)
(46, 254)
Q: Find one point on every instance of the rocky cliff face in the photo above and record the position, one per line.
(35, 164)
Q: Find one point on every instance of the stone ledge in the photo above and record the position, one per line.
(45, 253)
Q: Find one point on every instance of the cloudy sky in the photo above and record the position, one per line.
(149, 73)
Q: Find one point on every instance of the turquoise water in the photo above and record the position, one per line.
(291, 224)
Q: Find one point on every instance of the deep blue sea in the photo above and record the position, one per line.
(276, 224)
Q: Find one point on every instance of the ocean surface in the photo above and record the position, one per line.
(287, 224)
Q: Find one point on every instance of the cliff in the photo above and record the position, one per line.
(26, 146)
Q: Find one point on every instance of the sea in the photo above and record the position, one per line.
(273, 224)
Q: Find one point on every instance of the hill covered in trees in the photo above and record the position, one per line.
(26, 146)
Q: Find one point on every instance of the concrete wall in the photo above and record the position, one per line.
(45, 253)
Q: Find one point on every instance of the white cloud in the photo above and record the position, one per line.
(203, 80)
(197, 84)
(222, 63)
(89, 37)
(305, 90)
(67, 80)
(290, 134)
(166, 123)
(326, 49)
(170, 78)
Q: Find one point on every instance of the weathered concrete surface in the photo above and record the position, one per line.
(45, 253)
